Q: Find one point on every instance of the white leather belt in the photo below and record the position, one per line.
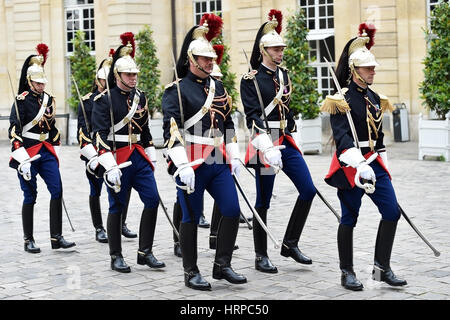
(217, 141)
(35, 136)
(134, 138)
(363, 144)
(277, 124)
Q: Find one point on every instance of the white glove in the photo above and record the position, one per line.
(366, 172)
(57, 149)
(114, 175)
(25, 171)
(93, 163)
(384, 157)
(187, 176)
(235, 167)
(273, 157)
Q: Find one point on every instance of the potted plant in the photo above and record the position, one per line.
(304, 97)
(149, 83)
(434, 134)
(82, 67)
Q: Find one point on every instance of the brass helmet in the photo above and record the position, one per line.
(125, 62)
(359, 54)
(268, 36)
(219, 49)
(35, 71)
(105, 66)
(271, 31)
(210, 27)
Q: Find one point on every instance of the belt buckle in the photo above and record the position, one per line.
(42, 136)
(133, 138)
(217, 141)
(204, 110)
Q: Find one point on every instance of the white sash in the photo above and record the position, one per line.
(129, 116)
(277, 98)
(203, 110)
(38, 116)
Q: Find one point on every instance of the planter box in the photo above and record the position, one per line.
(309, 135)
(73, 128)
(434, 138)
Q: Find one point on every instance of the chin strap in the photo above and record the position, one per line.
(353, 71)
(191, 57)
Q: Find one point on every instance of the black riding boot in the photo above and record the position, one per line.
(177, 216)
(262, 262)
(383, 249)
(188, 242)
(27, 223)
(127, 233)
(214, 226)
(294, 229)
(345, 249)
(146, 235)
(226, 237)
(113, 226)
(96, 214)
(56, 238)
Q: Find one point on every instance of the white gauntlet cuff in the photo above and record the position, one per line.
(178, 155)
(233, 150)
(88, 151)
(107, 160)
(262, 142)
(20, 155)
(352, 157)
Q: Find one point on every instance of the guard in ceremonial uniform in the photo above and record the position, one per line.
(208, 134)
(177, 212)
(35, 146)
(273, 146)
(356, 116)
(122, 135)
(89, 153)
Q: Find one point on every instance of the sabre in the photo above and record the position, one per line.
(195, 162)
(368, 188)
(263, 225)
(82, 106)
(111, 114)
(261, 104)
(338, 217)
(168, 217)
(436, 253)
(274, 195)
(67, 214)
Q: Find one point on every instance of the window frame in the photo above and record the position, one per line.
(79, 8)
(208, 8)
(316, 35)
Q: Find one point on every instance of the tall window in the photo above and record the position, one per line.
(320, 21)
(79, 15)
(206, 6)
(430, 6)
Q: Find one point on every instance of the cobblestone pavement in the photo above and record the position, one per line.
(422, 188)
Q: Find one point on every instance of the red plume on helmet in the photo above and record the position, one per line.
(214, 25)
(42, 50)
(277, 15)
(111, 52)
(219, 49)
(370, 30)
(128, 37)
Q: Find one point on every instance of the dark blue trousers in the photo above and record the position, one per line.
(217, 180)
(294, 166)
(383, 197)
(140, 177)
(47, 167)
(95, 184)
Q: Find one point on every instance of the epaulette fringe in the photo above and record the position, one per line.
(335, 104)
